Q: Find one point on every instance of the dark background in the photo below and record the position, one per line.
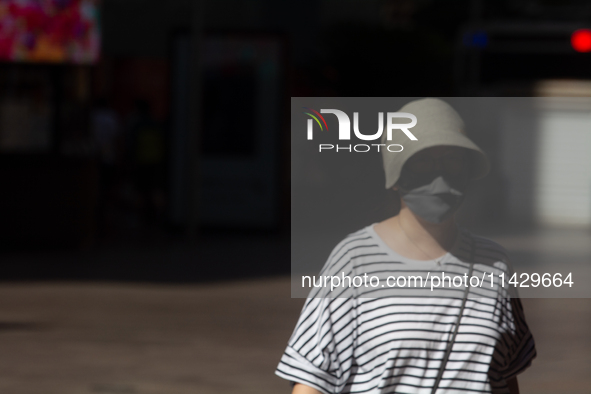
(208, 112)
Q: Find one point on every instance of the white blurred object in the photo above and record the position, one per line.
(563, 179)
(545, 155)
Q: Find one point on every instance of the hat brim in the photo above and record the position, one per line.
(479, 161)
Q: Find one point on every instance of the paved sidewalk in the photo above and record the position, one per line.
(224, 338)
(132, 339)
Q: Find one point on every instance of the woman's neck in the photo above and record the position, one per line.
(431, 235)
(412, 237)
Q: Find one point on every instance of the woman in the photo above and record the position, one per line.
(462, 339)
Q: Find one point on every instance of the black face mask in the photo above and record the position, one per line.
(436, 200)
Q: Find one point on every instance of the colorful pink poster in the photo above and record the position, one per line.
(51, 31)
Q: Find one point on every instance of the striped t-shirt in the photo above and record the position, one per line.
(397, 344)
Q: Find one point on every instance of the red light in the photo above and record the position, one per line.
(581, 40)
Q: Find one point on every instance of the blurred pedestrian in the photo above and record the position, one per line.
(107, 140)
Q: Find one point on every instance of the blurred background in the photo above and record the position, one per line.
(145, 172)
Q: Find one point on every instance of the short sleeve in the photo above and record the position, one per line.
(319, 352)
(521, 348)
(518, 340)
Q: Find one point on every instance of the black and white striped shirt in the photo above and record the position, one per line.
(356, 344)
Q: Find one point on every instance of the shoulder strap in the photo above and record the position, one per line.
(457, 326)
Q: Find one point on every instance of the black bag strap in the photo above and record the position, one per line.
(457, 327)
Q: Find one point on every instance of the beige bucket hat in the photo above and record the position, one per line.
(437, 124)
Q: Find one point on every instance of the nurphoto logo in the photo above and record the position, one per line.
(345, 129)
